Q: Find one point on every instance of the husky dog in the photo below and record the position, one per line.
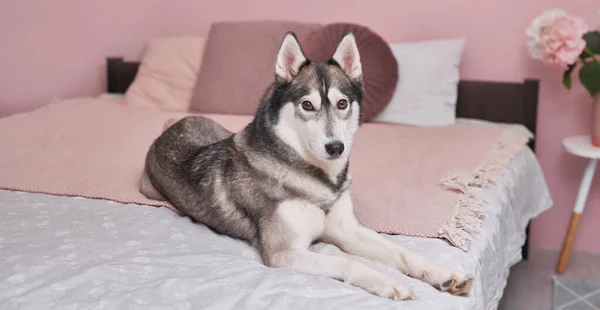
(282, 183)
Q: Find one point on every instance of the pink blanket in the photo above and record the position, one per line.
(406, 180)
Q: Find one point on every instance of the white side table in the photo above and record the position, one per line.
(580, 146)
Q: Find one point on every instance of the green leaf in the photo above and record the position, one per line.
(567, 76)
(589, 75)
(592, 40)
(567, 80)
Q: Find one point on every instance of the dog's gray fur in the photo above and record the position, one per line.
(232, 183)
(235, 183)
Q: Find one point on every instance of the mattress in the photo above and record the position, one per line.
(75, 253)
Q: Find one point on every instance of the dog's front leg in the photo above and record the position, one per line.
(343, 230)
(285, 238)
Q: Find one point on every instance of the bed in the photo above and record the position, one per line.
(75, 253)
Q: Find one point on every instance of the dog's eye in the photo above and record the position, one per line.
(342, 104)
(307, 106)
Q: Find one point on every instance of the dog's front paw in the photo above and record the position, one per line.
(388, 288)
(400, 292)
(453, 282)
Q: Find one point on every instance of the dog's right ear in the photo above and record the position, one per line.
(290, 57)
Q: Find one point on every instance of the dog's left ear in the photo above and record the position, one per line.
(347, 56)
(290, 57)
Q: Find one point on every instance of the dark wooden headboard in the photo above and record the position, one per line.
(505, 102)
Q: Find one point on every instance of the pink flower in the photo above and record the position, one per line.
(557, 38)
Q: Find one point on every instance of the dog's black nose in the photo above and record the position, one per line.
(334, 149)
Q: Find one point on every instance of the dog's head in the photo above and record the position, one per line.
(318, 102)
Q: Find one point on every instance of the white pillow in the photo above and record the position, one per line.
(111, 96)
(427, 85)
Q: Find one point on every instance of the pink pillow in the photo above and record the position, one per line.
(379, 66)
(239, 64)
(167, 75)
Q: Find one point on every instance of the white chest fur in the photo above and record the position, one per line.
(304, 220)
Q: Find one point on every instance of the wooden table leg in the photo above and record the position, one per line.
(584, 190)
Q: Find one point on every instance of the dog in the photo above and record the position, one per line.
(282, 183)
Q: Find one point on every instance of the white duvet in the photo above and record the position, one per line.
(75, 253)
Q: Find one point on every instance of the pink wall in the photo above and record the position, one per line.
(51, 48)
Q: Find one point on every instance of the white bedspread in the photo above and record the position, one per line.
(74, 253)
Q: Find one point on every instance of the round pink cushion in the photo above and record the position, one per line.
(379, 66)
